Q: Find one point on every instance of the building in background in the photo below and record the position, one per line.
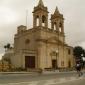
(42, 47)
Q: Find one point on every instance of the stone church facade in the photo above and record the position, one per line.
(41, 46)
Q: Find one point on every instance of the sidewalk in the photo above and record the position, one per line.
(57, 71)
(17, 72)
(44, 72)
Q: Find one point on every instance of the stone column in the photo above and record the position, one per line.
(46, 22)
(34, 21)
(62, 28)
(52, 25)
(40, 20)
(57, 27)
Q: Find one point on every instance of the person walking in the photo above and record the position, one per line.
(79, 68)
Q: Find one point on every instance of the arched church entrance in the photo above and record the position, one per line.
(54, 56)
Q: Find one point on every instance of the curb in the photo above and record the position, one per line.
(17, 72)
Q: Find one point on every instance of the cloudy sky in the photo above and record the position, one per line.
(13, 14)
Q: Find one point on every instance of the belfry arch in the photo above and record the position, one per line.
(60, 27)
(37, 20)
(42, 12)
(54, 26)
(57, 21)
(43, 21)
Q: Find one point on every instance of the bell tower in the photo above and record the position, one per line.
(40, 15)
(57, 21)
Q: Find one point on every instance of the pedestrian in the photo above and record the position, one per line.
(79, 68)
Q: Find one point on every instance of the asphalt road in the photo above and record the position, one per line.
(41, 79)
(74, 82)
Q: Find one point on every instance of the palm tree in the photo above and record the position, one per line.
(8, 46)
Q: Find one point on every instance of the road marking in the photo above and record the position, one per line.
(47, 82)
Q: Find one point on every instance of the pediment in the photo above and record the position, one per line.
(54, 40)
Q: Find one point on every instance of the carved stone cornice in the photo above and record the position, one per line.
(50, 41)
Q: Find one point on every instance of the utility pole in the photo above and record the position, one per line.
(26, 18)
(58, 45)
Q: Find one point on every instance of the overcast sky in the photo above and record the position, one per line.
(13, 14)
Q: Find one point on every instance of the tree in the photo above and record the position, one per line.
(7, 46)
(83, 53)
(78, 51)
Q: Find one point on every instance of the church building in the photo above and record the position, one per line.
(40, 46)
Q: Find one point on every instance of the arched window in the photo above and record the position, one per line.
(54, 26)
(69, 51)
(37, 21)
(60, 27)
(43, 20)
(27, 41)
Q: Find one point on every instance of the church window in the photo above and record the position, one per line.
(43, 20)
(27, 41)
(69, 64)
(54, 25)
(69, 51)
(60, 27)
(37, 20)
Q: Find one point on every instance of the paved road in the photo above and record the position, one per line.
(79, 81)
(41, 79)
